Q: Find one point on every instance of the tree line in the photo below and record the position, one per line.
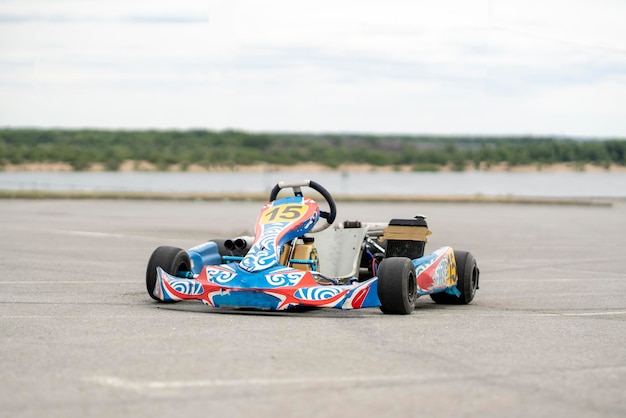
(82, 148)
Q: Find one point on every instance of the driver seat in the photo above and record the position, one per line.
(303, 255)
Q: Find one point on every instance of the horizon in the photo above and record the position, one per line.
(329, 133)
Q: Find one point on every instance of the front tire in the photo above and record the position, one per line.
(170, 259)
(467, 283)
(397, 288)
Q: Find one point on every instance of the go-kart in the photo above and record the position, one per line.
(299, 258)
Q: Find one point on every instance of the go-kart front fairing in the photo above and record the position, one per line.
(277, 288)
(258, 280)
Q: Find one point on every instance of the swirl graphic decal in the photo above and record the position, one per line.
(220, 274)
(290, 278)
(441, 273)
(317, 293)
(420, 268)
(264, 253)
(186, 286)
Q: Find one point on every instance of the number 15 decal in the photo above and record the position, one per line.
(283, 213)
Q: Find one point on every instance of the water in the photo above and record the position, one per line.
(535, 184)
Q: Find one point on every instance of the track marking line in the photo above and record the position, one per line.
(582, 313)
(97, 234)
(139, 386)
(90, 282)
(142, 386)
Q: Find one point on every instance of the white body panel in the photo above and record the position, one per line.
(340, 251)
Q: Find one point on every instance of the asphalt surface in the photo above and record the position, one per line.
(545, 336)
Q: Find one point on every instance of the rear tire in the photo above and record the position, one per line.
(468, 273)
(170, 259)
(397, 288)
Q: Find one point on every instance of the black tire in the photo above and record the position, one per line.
(397, 288)
(170, 259)
(468, 273)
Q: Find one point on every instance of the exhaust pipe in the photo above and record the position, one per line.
(240, 244)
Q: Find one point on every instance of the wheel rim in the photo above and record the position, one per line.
(412, 287)
(474, 280)
(182, 266)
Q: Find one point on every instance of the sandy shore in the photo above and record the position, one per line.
(129, 166)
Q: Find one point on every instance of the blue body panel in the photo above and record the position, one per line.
(205, 254)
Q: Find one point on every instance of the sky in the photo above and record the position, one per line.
(445, 67)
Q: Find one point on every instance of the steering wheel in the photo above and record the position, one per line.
(327, 217)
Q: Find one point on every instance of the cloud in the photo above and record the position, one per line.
(72, 11)
(130, 19)
(406, 66)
